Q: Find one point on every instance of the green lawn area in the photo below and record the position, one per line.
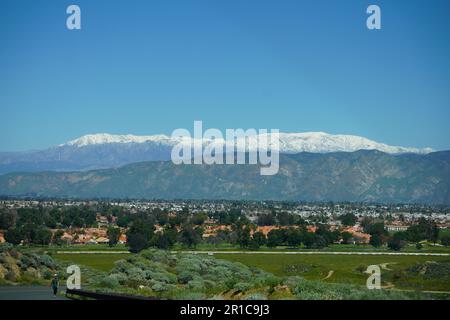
(332, 247)
(345, 268)
(87, 247)
(102, 262)
(230, 247)
(444, 232)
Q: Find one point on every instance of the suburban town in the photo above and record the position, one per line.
(348, 220)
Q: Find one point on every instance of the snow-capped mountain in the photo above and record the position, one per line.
(103, 138)
(102, 151)
(320, 142)
(316, 142)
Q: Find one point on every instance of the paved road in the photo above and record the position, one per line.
(28, 293)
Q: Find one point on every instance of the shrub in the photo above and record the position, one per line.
(191, 263)
(45, 260)
(121, 278)
(316, 290)
(109, 282)
(5, 247)
(28, 261)
(136, 273)
(209, 284)
(11, 276)
(62, 275)
(122, 266)
(240, 270)
(242, 286)
(230, 283)
(31, 273)
(160, 286)
(196, 284)
(160, 276)
(47, 274)
(160, 256)
(13, 252)
(219, 273)
(135, 278)
(185, 276)
(271, 281)
(141, 264)
(438, 270)
(362, 294)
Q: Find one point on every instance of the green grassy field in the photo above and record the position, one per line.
(333, 247)
(87, 247)
(230, 247)
(102, 262)
(444, 232)
(345, 268)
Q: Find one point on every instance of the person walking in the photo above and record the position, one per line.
(55, 284)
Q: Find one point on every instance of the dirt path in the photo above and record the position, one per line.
(384, 266)
(330, 273)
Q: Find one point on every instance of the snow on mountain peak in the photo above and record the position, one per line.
(104, 138)
(316, 142)
(321, 142)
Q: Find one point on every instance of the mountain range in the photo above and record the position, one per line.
(314, 166)
(365, 175)
(102, 151)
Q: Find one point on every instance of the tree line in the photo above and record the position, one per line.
(32, 226)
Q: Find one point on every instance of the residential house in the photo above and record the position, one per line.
(122, 239)
(395, 227)
(102, 240)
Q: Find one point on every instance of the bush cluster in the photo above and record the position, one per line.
(174, 275)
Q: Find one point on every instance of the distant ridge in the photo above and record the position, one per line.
(320, 142)
(102, 151)
(361, 176)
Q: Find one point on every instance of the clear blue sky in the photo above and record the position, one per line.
(147, 67)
